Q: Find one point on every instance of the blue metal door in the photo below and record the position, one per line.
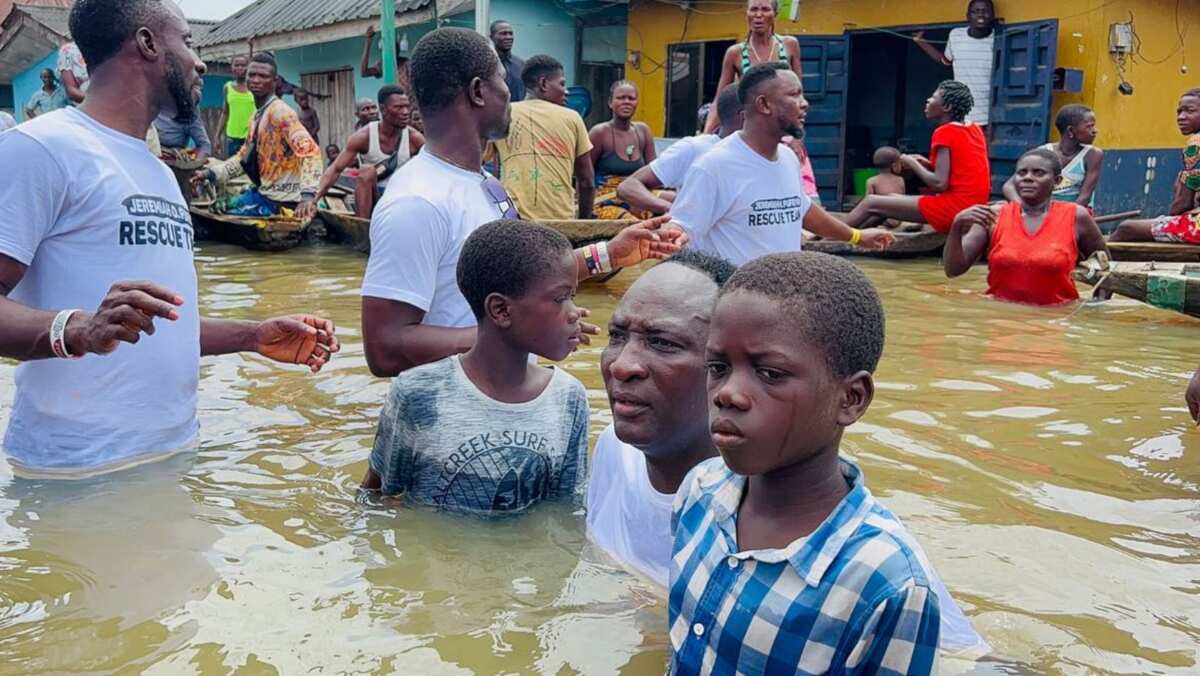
(1022, 87)
(824, 62)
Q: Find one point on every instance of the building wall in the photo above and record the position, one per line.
(1144, 120)
(28, 82)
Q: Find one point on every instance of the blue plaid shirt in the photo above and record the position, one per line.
(854, 597)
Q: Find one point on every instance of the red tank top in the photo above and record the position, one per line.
(1034, 269)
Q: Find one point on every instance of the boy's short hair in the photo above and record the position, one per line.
(1069, 116)
(885, 157)
(728, 105)
(715, 268)
(538, 67)
(506, 257)
(841, 310)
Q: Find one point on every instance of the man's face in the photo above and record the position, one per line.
(368, 111)
(397, 110)
(47, 78)
(653, 366)
(302, 99)
(786, 97)
(554, 88)
(980, 15)
(497, 108)
(260, 79)
(182, 69)
(239, 66)
(504, 37)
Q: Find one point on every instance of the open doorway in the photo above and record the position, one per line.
(693, 73)
(890, 79)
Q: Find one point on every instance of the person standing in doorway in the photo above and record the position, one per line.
(762, 45)
(970, 50)
(308, 114)
(239, 107)
(503, 37)
(545, 161)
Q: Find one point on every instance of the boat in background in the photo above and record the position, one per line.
(1170, 286)
(277, 233)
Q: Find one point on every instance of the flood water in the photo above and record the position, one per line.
(1049, 467)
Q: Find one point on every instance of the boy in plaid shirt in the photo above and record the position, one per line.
(783, 562)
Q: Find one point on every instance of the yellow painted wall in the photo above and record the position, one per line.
(1144, 120)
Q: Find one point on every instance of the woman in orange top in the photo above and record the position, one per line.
(1033, 244)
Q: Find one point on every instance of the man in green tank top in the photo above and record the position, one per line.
(239, 107)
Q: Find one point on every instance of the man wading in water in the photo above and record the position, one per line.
(68, 229)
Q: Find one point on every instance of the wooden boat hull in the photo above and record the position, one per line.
(183, 171)
(1154, 251)
(259, 234)
(909, 244)
(346, 228)
(1171, 286)
(588, 232)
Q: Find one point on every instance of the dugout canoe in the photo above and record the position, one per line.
(259, 234)
(588, 232)
(1161, 252)
(1171, 286)
(343, 227)
(912, 240)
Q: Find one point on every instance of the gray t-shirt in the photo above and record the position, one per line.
(442, 442)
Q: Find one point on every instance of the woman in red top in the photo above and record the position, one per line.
(1032, 245)
(957, 171)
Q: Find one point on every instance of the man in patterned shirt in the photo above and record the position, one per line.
(279, 156)
(783, 561)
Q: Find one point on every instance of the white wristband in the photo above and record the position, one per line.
(605, 261)
(58, 337)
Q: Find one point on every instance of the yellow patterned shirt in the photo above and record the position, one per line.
(289, 161)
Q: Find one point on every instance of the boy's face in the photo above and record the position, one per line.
(544, 320)
(773, 400)
(1188, 115)
(1085, 132)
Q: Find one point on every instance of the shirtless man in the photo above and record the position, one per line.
(380, 148)
(308, 114)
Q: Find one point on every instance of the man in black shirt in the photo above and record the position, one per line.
(503, 37)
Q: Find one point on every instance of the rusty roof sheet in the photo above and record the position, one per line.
(267, 17)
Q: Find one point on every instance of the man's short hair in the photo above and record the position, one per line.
(729, 104)
(506, 257)
(538, 67)
(101, 27)
(388, 91)
(829, 299)
(755, 77)
(267, 59)
(715, 268)
(496, 24)
(445, 62)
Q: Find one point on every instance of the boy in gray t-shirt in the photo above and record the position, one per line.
(488, 432)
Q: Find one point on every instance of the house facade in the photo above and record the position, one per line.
(867, 81)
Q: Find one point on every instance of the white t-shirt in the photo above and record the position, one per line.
(972, 59)
(91, 206)
(625, 515)
(672, 166)
(428, 210)
(739, 205)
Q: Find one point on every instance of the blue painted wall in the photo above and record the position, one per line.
(214, 90)
(541, 28)
(28, 82)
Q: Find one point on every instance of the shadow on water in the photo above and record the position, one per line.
(1047, 466)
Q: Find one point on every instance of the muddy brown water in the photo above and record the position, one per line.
(1049, 468)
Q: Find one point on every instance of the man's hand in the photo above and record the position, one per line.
(370, 31)
(919, 37)
(298, 339)
(127, 311)
(201, 177)
(645, 241)
(1193, 397)
(876, 239)
(306, 210)
(586, 329)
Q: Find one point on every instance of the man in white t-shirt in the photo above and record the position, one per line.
(745, 198)
(669, 169)
(91, 206)
(413, 312)
(971, 51)
(655, 375)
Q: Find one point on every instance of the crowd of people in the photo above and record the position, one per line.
(774, 555)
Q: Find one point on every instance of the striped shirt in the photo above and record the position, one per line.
(854, 597)
(972, 59)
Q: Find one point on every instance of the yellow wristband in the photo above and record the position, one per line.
(855, 237)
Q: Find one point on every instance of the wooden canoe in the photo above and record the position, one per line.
(588, 232)
(1171, 286)
(260, 234)
(1154, 251)
(183, 168)
(343, 227)
(911, 241)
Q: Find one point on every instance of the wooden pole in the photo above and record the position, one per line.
(387, 35)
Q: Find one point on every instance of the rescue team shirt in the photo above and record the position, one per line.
(444, 443)
(739, 205)
(91, 206)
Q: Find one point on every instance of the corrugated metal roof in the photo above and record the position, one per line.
(54, 18)
(267, 17)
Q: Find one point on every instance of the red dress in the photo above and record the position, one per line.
(970, 173)
(1034, 269)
